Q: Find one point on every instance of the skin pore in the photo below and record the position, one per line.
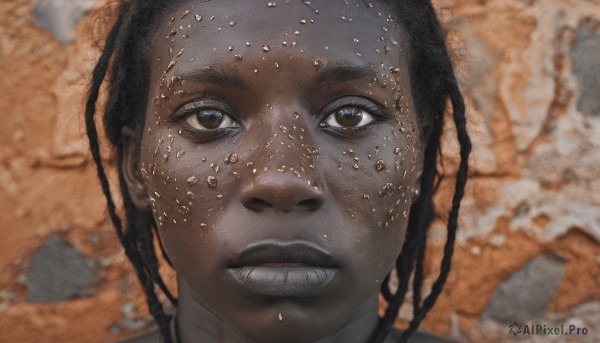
(279, 158)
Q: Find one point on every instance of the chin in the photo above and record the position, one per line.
(291, 330)
(287, 333)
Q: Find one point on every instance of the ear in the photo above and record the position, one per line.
(131, 169)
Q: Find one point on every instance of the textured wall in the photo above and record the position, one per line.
(529, 246)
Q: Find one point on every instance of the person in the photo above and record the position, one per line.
(285, 155)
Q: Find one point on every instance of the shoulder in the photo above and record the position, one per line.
(152, 336)
(417, 337)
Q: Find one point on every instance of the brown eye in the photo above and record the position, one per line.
(348, 117)
(209, 119)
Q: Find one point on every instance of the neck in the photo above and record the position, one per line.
(197, 323)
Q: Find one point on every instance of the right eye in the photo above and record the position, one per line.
(209, 119)
(348, 116)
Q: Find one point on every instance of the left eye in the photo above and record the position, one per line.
(209, 119)
(350, 116)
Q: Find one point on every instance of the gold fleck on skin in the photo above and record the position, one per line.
(212, 181)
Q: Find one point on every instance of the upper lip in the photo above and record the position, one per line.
(303, 253)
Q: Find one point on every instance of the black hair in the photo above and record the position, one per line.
(433, 83)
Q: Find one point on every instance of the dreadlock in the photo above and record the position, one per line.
(432, 80)
(137, 237)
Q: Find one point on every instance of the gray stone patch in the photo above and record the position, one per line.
(481, 64)
(59, 17)
(525, 295)
(585, 54)
(59, 273)
(131, 321)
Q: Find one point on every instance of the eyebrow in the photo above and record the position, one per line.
(230, 77)
(217, 75)
(342, 72)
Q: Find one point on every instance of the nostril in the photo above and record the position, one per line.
(258, 204)
(310, 204)
(285, 195)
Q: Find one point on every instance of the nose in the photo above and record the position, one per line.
(282, 192)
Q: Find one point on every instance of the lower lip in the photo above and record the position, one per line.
(283, 280)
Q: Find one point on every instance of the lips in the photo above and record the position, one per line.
(297, 269)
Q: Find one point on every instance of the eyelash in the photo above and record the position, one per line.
(363, 104)
(206, 104)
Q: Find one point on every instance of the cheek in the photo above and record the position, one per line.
(375, 183)
(188, 186)
(186, 182)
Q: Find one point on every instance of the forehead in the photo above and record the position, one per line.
(224, 31)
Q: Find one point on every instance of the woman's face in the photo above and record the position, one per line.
(279, 156)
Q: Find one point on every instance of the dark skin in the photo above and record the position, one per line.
(279, 166)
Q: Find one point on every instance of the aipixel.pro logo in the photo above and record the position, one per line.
(545, 330)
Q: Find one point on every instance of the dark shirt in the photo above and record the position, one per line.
(418, 337)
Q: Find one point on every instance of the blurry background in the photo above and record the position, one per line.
(528, 249)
